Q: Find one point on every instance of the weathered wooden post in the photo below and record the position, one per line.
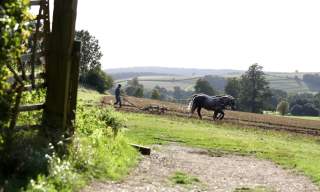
(59, 68)
(74, 80)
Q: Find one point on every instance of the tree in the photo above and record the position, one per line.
(138, 92)
(99, 80)
(296, 110)
(317, 100)
(310, 110)
(134, 88)
(90, 54)
(277, 96)
(155, 94)
(215, 81)
(203, 86)
(177, 92)
(233, 87)
(307, 109)
(254, 89)
(283, 107)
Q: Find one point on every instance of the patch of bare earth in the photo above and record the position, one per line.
(220, 174)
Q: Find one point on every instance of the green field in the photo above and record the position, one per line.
(168, 82)
(292, 116)
(292, 151)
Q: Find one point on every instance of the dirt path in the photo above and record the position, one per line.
(220, 174)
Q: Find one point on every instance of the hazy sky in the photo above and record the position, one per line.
(281, 35)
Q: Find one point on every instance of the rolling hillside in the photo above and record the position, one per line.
(186, 78)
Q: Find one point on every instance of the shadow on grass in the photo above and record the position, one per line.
(22, 160)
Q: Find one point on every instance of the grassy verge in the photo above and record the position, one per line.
(96, 153)
(89, 96)
(288, 150)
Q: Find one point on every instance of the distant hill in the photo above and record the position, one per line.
(175, 71)
(130, 75)
(186, 77)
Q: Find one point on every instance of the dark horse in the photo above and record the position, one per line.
(211, 103)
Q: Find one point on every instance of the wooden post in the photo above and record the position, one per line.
(59, 66)
(74, 79)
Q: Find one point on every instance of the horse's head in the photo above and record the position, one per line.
(228, 101)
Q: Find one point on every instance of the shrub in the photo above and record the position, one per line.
(93, 153)
(307, 109)
(283, 107)
(155, 94)
(310, 110)
(296, 110)
(98, 80)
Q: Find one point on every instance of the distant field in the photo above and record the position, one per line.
(291, 116)
(168, 82)
(286, 82)
(282, 81)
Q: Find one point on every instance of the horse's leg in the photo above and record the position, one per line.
(199, 112)
(192, 110)
(215, 114)
(221, 116)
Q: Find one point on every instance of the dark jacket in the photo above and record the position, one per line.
(117, 92)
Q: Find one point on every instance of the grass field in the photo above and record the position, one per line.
(293, 151)
(169, 82)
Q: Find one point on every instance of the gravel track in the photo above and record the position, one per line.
(220, 174)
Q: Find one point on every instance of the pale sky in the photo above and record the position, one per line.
(281, 35)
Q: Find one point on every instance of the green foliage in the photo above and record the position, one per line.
(183, 178)
(90, 54)
(233, 87)
(283, 107)
(98, 79)
(215, 81)
(254, 89)
(94, 154)
(317, 100)
(178, 92)
(155, 94)
(90, 67)
(305, 104)
(14, 17)
(276, 97)
(203, 86)
(134, 88)
(307, 109)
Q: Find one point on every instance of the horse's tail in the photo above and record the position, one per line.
(191, 102)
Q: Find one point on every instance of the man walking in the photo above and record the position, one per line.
(117, 94)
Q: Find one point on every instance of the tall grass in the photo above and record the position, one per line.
(94, 154)
(97, 151)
